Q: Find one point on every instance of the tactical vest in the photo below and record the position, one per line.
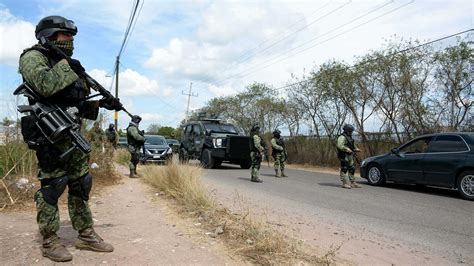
(349, 143)
(280, 143)
(110, 134)
(71, 96)
(252, 143)
(130, 139)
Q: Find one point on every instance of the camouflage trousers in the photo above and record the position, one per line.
(70, 170)
(256, 160)
(347, 169)
(280, 159)
(134, 156)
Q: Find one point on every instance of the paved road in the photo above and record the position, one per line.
(431, 217)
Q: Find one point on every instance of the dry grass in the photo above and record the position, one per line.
(122, 156)
(243, 233)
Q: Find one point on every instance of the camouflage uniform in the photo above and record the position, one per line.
(96, 138)
(279, 155)
(135, 141)
(256, 157)
(54, 79)
(346, 148)
(55, 174)
(112, 138)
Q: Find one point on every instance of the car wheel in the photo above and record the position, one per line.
(206, 159)
(246, 164)
(375, 175)
(183, 156)
(466, 184)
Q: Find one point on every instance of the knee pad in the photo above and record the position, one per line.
(135, 158)
(52, 189)
(344, 166)
(81, 187)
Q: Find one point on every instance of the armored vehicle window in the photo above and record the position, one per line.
(188, 128)
(225, 128)
(197, 129)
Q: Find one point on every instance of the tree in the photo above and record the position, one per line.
(153, 129)
(167, 131)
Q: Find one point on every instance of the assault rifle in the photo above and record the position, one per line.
(356, 157)
(54, 123)
(82, 73)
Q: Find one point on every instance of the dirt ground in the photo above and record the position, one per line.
(140, 225)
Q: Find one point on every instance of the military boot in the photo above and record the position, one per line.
(54, 250)
(90, 240)
(345, 185)
(276, 173)
(355, 185)
(256, 180)
(283, 173)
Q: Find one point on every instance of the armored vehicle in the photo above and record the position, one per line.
(213, 143)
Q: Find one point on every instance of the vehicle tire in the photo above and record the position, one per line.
(246, 164)
(375, 175)
(466, 184)
(183, 156)
(207, 160)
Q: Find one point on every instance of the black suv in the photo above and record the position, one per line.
(443, 160)
(213, 142)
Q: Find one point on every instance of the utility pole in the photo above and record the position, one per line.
(189, 99)
(117, 63)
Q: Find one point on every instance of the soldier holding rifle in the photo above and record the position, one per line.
(346, 152)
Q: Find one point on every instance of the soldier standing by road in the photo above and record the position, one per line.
(58, 83)
(96, 137)
(279, 153)
(112, 138)
(135, 139)
(345, 152)
(256, 153)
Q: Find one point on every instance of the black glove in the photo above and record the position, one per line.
(76, 66)
(111, 104)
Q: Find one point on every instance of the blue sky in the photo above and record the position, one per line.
(220, 46)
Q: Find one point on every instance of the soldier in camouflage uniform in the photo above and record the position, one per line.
(112, 138)
(256, 153)
(345, 152)
(55, 80)
(96, 137)
(279, 153)
(135, 139)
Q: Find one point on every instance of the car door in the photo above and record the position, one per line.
(445, 154)
(406, 166)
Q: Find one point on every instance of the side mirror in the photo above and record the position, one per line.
(396, 151)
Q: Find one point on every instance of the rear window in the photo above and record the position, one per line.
(449, 143)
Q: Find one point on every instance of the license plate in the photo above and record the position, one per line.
(156, 156)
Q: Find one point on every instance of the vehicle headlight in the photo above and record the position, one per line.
(363, 163)
(169, 150)
(217, 143)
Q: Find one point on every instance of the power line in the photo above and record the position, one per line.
(387, 56)
(257, 67)
(254, 50)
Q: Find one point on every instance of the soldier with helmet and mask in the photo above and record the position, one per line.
(278, 153)
(135, 139)
(112, 139)
(257, 149)
(345, 152)
(59, 82)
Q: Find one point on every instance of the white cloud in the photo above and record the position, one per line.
(168, 92)
(131, 83)
(151, 118)
(15, 35)
(221, 90)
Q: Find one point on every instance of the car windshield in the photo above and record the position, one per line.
(172, 141)
(225, 128)
(155, 140)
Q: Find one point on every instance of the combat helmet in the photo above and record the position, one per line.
(276, 133)
(255, 128)
(136, 119)
(348, 128)
(50, 25)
